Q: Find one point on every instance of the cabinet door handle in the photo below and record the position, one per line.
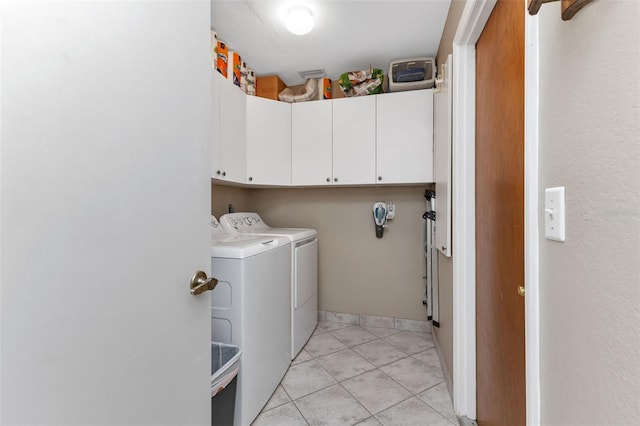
(224, 173)
(218, 172)
(328, 179)
(250, 178)
(335, 179)
(379, 177)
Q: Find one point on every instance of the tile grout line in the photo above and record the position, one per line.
(339, 383)
(412, 394)
(395, 381)
(351, 347)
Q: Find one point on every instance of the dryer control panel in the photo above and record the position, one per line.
(243, 222)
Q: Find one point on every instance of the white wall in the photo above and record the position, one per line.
(590, 285)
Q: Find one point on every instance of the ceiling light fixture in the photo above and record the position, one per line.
(299, 20)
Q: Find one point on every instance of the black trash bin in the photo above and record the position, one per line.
(225, 364)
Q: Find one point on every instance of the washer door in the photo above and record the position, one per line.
(305, 272)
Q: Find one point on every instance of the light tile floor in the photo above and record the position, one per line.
(356, 375)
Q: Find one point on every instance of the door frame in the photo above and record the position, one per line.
(472, 22)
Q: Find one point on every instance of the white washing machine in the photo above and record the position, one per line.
(304, 271)
(250, 308)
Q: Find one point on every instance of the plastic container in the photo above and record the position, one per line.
(225, 364)
(412, 74)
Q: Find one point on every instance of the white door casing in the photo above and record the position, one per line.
(104, 167)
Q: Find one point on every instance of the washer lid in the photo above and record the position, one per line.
(237, 246)
(292, 234)
(252, 223)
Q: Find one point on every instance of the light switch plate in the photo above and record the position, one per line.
(554, 213)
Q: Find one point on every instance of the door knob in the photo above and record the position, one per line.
(200, 283)
(521, 290)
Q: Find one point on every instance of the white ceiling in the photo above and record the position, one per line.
(348, 35)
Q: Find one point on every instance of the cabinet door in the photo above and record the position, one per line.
(311, 137)
(216, 77)
(442, 130)
(233, 133)
(405, 137)
(354, 140)
(268, 141)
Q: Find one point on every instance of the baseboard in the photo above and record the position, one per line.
(375, 321)
(443, 366)
(465, 421)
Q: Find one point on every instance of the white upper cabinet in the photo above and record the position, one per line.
(379, 139)
(311, 140)
(354, 140)
(405, 137)
(232, 164)
(268, 141)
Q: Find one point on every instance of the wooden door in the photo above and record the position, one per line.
(104, 213)
(500, 217)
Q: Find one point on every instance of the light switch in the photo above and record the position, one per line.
(554, 213)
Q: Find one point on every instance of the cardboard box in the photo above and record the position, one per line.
(325, 88)
(269, 87)
(336, 90)
(222, 51)
(234, 70)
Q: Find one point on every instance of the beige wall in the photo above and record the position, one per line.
(450, 27)
(445, 264)
(358, 273)
(590, 285)
(222, 196)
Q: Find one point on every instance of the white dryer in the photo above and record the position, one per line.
(250, 308)
(304, 271)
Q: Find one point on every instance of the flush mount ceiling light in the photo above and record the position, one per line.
(299, 20)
